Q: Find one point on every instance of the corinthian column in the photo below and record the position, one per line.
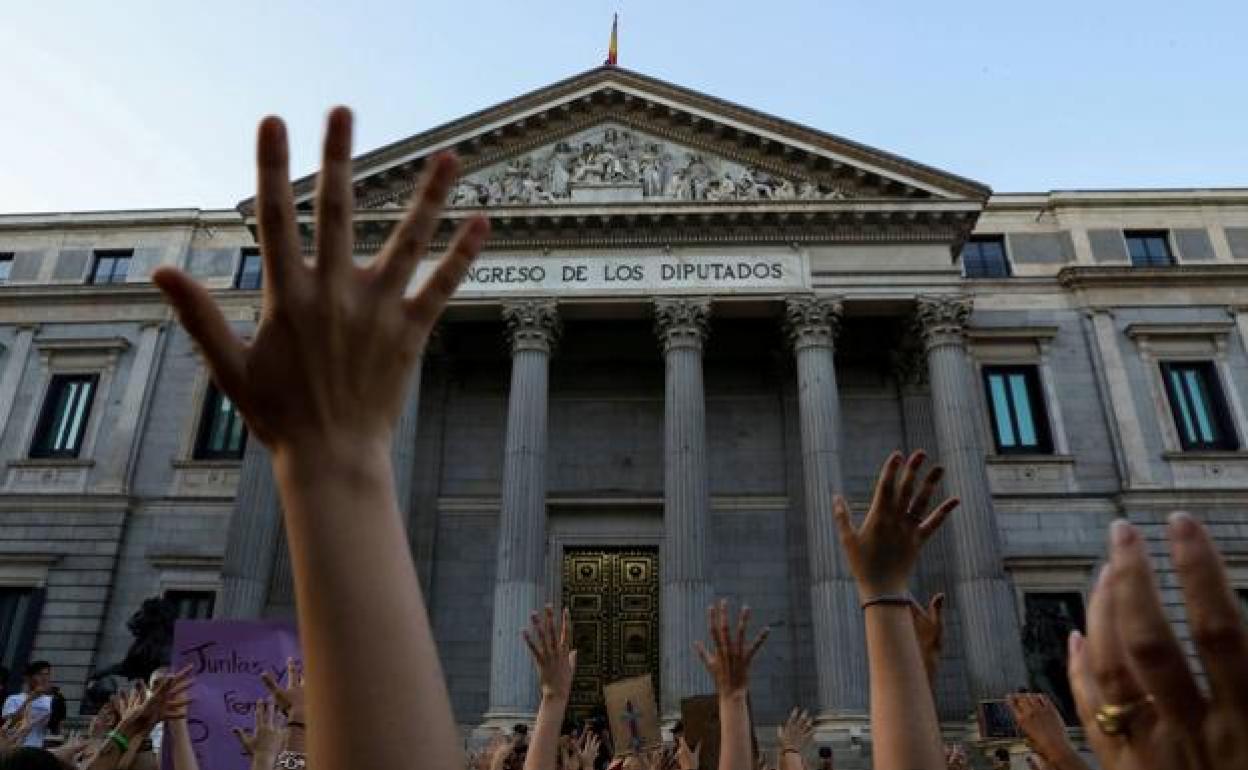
(532, 327)
(981, 591)
(812, 324)
(682, 326)
(252, 540)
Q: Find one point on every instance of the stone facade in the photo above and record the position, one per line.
(712, 419)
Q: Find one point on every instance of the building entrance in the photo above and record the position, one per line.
(613, 596)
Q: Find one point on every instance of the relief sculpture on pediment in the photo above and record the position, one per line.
(612, 164)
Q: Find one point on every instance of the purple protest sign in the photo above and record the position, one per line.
(226, 658)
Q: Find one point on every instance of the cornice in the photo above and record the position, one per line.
(1170, 276)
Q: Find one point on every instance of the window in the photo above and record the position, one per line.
(6, 266)
(1049, 619)
(1242, 594)
(19, 617)
(222, 434)
(192, 605)
(66, 410)
(1199, 409)
(1149, 248)
(111, 266)
(249, 270)
(983, 256)
(1016, 402)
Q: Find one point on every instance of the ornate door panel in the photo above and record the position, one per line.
(613, 595)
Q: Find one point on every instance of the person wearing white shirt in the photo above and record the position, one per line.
(38, 685)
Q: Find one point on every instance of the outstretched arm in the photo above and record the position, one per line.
(882, 554)
(322, 385)
(556, 662)
(729, 665)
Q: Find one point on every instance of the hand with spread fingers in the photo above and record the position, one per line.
(1041, 724)
(1138, 699)
(267, 738)
(589, 748)
(322, 382)
(290, 700)
(929, 627)
(793, 738)
(883, 551)
(729, 666)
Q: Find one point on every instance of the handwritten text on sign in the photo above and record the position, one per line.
(634, 275)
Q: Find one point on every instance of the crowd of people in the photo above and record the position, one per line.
(321, 383)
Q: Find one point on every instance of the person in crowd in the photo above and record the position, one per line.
(268, 738)
(36, 699)
(551, 648)
(1000, 759)
(289, 699)
(825, 758)
(881, 554)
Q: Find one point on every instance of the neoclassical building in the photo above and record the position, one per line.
(694, 325)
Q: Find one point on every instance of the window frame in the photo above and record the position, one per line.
(41, 449)
(23, 643)
(93, 278)
(1036, 402)
(1227, 439)
(998, 239)
(203, 432)
(7, 259)
(1162, 235)
(244, 254)
(201, 593)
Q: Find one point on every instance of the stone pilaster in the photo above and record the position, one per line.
(15, 359)
(682, 325)
(981, 592)
(532, 329)
(122, 446)
(252, 540)
(812, 324)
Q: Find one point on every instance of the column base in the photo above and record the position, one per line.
(496, 722)
(848, 735)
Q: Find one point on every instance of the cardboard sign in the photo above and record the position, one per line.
(226, 658)
(700, 717)
(634, 715)
(996, 720)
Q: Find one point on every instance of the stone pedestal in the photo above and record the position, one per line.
(682, 325)
(532, 328)
(981, 593)
(839, 634)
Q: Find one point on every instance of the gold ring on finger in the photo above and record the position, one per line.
(1115, 719)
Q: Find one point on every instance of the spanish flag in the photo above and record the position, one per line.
(612, 50)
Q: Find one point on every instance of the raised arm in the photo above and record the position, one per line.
(729, 665)
(794, 738)
(882, 553)
(322, 383)
(556, 662)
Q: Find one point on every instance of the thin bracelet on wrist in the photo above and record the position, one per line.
(902, 599)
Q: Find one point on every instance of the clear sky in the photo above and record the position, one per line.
(129, 104)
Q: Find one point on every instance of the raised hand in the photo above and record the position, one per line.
(552, 652)
(1138, 699)
(590, 746)
(687, 758)
(268, 737)
(929, 627)
(1041, 724)
(176, 700)
(502, 746)
(729, 665)
(955, 757)
(883, 551)
(331, 358)
(796, 733)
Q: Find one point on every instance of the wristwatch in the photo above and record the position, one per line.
(291, 760)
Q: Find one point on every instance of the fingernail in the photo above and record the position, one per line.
(1182, 525)
(1121, 533)
(1074, 643)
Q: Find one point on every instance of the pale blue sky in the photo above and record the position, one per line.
(132, 104)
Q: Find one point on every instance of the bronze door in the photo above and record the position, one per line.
(613, 595)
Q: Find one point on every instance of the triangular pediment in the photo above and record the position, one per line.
(612, 136)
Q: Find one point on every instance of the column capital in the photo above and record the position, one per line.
(812, 321)
(942, 319)
(532, 324)
(682, 321)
